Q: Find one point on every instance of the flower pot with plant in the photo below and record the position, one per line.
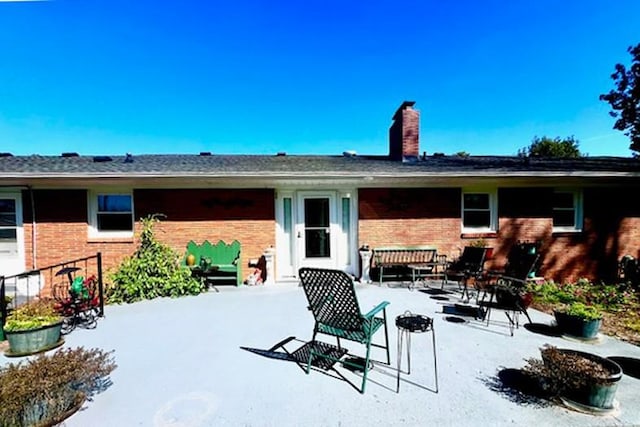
(579, 320)
(577, 377)
(33, 328)
(46, 389)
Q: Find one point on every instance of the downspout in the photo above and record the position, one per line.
(33, 229)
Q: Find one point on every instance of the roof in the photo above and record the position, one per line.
(24, 169)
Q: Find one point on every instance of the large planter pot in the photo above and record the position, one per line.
(597, 395)
(576, 326)
(31, 341)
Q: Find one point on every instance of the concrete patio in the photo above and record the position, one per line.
(180, 364)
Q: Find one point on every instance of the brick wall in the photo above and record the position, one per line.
(62, 228)
(411, 216)
(432, 217)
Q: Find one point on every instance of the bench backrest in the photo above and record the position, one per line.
(402, 255)
(218, 254)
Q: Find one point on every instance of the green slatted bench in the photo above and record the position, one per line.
(223, 259)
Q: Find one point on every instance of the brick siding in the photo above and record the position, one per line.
(62, 224)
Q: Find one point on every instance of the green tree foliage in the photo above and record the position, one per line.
(625, 98)
(152, 271)
(557, 147)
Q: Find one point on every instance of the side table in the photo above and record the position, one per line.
(407, 324)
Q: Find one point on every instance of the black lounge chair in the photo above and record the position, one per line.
(333, 302)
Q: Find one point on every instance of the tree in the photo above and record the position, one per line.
(625, 99)
(547, 147)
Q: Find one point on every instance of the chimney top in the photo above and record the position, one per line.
(402, 107)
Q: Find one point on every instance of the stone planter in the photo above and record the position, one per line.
(577, 326)
(31, 341)
(597, 395)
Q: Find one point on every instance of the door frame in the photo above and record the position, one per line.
(299, 230)
(289, 221)
(14, 264)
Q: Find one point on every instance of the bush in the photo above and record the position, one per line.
(562, 372)
(604, 297)
(32, 315)
(153, 271)
(43, 390)
(585, 312)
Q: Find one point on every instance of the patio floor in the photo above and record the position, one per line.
(180, 364)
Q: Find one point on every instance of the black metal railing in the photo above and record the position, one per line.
(25, 286)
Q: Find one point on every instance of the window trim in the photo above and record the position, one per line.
(493, 210)
(92, 204)
(578, 211)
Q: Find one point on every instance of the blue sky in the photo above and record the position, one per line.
(308, 77)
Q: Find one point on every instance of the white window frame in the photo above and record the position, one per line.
(493, 210)
(577, 209)
(93, 213)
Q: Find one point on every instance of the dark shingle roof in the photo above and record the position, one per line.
(36, 166)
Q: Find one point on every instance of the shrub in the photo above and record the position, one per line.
(153, 271)
(604, 297)
(41, 391)
(32, 315)
(561, 372)
(585, 312)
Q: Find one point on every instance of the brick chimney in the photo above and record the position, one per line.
(404, 138)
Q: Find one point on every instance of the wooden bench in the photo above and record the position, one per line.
(423, 259)
(220, 260)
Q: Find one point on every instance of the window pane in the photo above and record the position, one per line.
(7, 206)
(563, 218)
(8, 235)
(7, 219)
(287, 215)
(477, 219)
(563, 200)
(316, 212)
(114, 203)
(115, 222)
(317, 244)
(346, 224)
(476, 201)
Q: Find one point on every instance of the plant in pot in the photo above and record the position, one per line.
(579, 320)
(577, 377)
(46, 389)
(33, 328)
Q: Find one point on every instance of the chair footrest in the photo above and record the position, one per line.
(326, 355)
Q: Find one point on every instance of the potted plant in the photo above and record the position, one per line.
(577, 377)
(33, 328)
(46, 389)
(579, 320)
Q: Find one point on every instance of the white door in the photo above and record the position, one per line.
(317, 230)
(11, 234)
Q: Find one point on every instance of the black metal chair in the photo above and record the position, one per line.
(507, 295)
(469, 265)
(506, 288)
(333, 302)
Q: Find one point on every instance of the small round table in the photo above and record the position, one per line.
(407, 324)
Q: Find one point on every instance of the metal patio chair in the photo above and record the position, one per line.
(470, 265)
(332, 300)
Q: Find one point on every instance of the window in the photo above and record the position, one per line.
(111, 214)
(8, 226)
(567, 210)
(479, 211)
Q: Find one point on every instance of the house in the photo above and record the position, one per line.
(318, 210)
